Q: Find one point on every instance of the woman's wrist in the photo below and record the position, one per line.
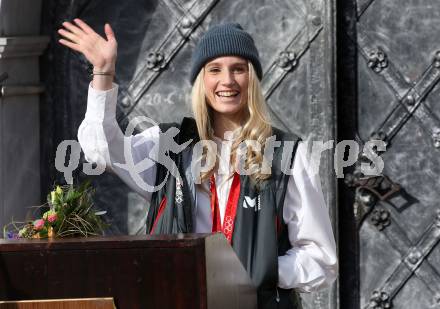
(103, 76)
(102, 73)
(105, 68)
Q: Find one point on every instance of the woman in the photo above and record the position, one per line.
(277, 223)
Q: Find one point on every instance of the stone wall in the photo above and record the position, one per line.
(20, 47)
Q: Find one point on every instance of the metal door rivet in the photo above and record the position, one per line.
(409, 100)
(186, 23)
(316, 21)
(436, 60)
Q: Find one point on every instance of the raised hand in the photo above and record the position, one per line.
(100, 52)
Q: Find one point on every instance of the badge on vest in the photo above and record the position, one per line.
(252, 202)
(179, 193)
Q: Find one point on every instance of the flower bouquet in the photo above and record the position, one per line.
(70, 214)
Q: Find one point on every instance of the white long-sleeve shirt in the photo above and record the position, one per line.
(311, 264)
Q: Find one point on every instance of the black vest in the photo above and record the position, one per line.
(260, 235)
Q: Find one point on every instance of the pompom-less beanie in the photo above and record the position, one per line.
(225, 40)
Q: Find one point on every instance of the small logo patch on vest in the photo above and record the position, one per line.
(252, 202)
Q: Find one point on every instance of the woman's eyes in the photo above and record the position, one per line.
(214, 70)
(235, 70)
(238, 70)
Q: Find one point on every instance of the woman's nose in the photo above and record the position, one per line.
(228, 78)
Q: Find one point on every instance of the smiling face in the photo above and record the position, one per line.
(226, 81)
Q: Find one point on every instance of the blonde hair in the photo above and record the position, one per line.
(256, 126)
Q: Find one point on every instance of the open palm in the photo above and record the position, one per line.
(100, 52)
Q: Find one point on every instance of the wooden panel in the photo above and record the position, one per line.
(137, 271)
(93, 303)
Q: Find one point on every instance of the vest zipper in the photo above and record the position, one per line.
(278, 296)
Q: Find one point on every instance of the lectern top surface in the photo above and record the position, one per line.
(141, 241)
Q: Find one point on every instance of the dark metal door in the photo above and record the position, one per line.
(390, 68)
(156, 38)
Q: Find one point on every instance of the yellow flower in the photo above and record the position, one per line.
(55, 194)
(52, 197)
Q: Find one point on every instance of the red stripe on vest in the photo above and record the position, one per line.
(162, 205)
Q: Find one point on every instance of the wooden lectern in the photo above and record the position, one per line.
(170, 271)
(83, 303)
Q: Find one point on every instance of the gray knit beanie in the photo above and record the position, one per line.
(225, 40)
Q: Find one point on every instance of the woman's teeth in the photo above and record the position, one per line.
(227, 93)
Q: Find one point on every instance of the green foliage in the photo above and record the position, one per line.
(70, 214)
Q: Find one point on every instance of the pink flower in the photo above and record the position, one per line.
(38, 224)
(52, 217)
